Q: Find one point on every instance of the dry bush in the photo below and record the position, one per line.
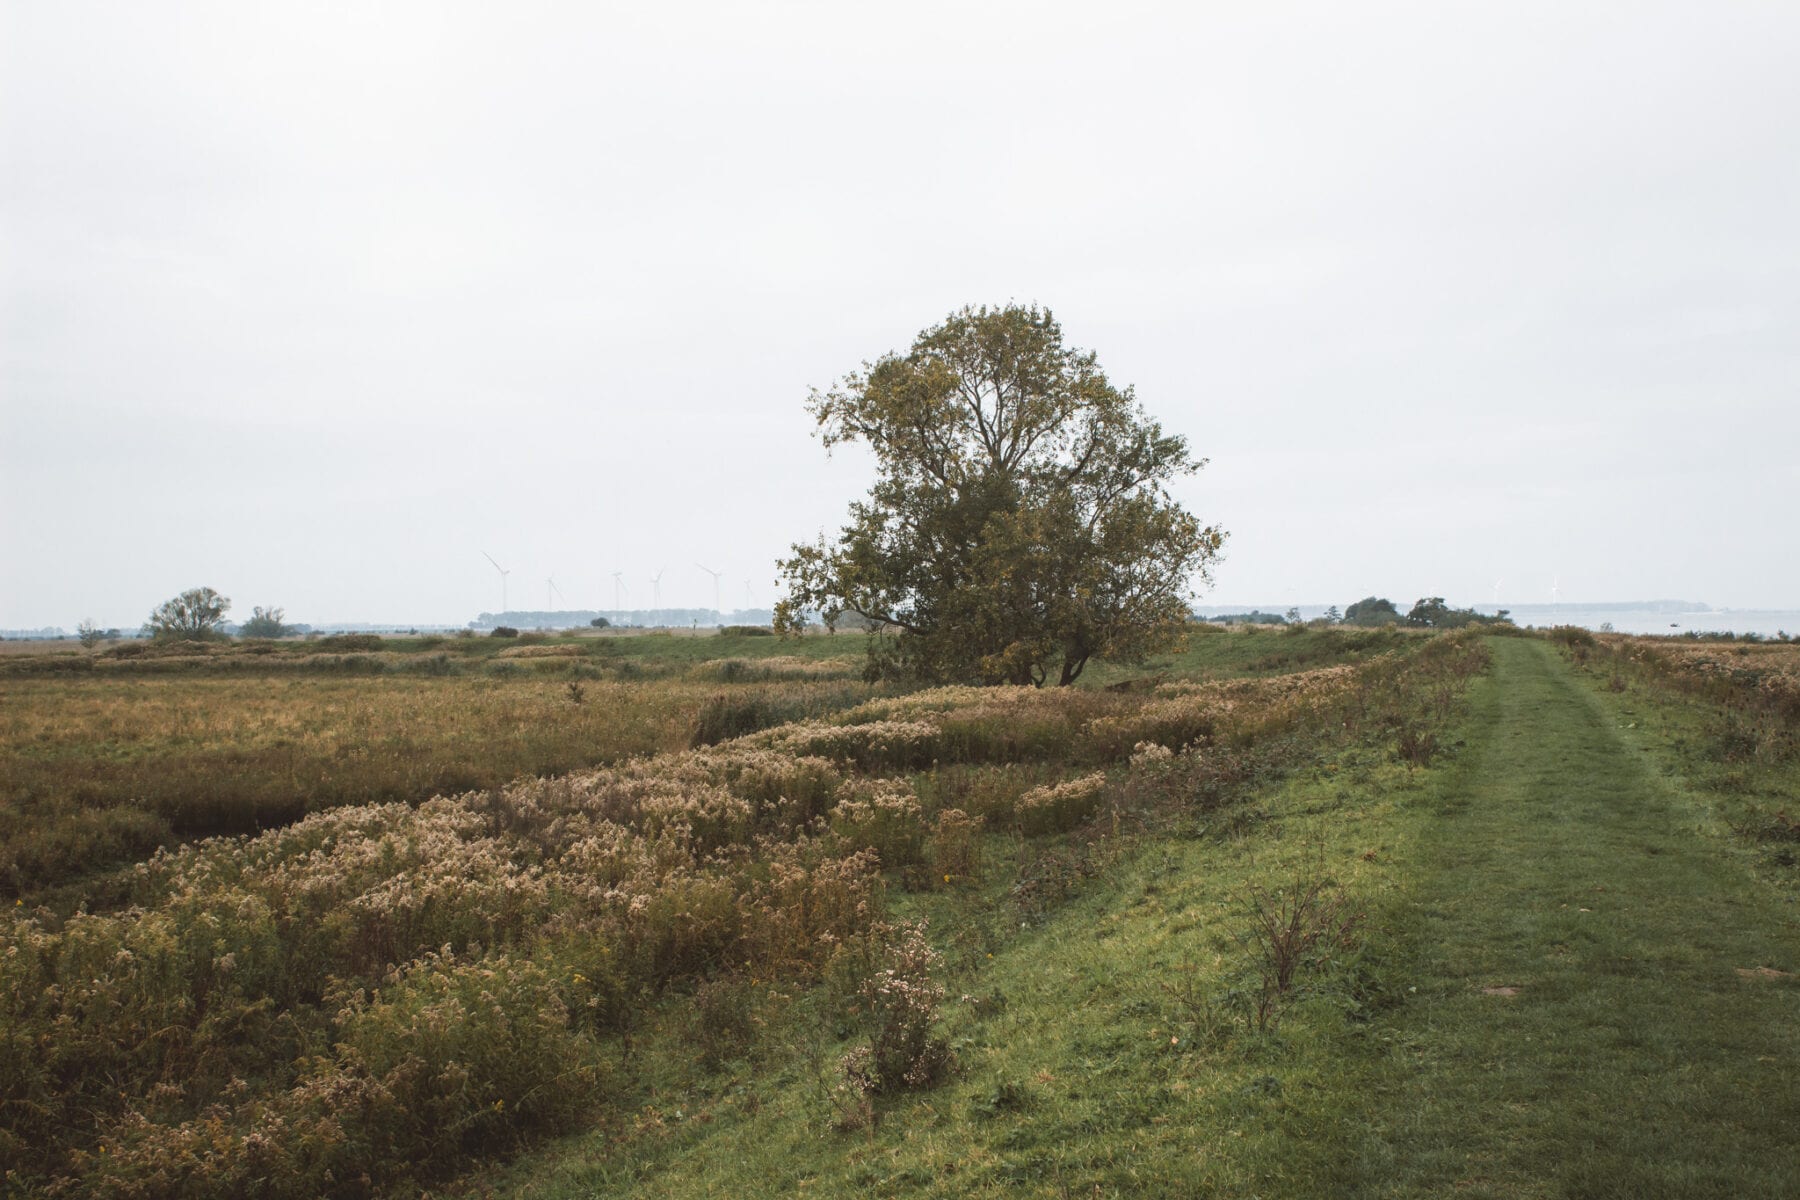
(1059, 807)
(882, 815)
(1306, 925)
(529, 650)
(900, 999)
(956, 846)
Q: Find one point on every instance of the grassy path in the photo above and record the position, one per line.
(1592, 1015)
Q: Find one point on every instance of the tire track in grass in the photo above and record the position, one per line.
(1582, 1025)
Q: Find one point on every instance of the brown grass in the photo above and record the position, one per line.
(98, 771)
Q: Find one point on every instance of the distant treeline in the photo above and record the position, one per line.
(1429, 612)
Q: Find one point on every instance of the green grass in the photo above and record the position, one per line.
(1105, 1050)
(1239, 652)
(1635, 1058)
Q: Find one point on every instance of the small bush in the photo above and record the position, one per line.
(724, 1019)
(1060, 807)
(733, 714)
(746, 631)
(1772, 827)
(503, 631)
(881, 815)
(900, 1002)
(1306, 925)
(1416, 743)
(956, 846)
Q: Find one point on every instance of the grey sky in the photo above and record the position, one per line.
(315, 303)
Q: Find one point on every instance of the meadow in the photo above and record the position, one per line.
(769, 928)
(106, 757)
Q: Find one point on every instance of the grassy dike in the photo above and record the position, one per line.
(1594, 1014)
(1557, 990)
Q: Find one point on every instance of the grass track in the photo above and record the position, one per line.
(1635, 1059)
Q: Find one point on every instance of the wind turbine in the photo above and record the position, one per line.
(1497, 584)
(717, 575)
(504, 572)
(618, 588)
(1556, 589)
(656, 590)
(550, 590)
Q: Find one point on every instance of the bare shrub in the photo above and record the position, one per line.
(1303, 925)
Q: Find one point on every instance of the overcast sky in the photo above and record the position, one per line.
(315, 304)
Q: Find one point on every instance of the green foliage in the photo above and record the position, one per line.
(265, 623)
(195, 615)
(1371, 611)
(89, 634)
(600, 623)
(1432, 612)
(503, 631)
(1020, 520)
(1254, 617)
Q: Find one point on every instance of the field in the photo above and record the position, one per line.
(1294, 913)
(104, 764)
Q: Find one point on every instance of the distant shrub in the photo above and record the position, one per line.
(503, 631)
(526, 649)
(746, 631)
(60, 663)
(342, 642)
(734, 714)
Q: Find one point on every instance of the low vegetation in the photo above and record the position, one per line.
(107, 756)
(380, 989)
(1178, 925)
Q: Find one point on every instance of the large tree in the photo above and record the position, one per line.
(194, 615)
(1020, 521)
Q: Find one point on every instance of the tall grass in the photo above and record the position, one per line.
(99, 773)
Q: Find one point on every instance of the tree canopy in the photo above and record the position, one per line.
(266, 623)
(1020, 520)
(1371, 610)
(194, 615)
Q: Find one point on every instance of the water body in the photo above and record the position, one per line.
(1670, 618)
(1658, 618)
